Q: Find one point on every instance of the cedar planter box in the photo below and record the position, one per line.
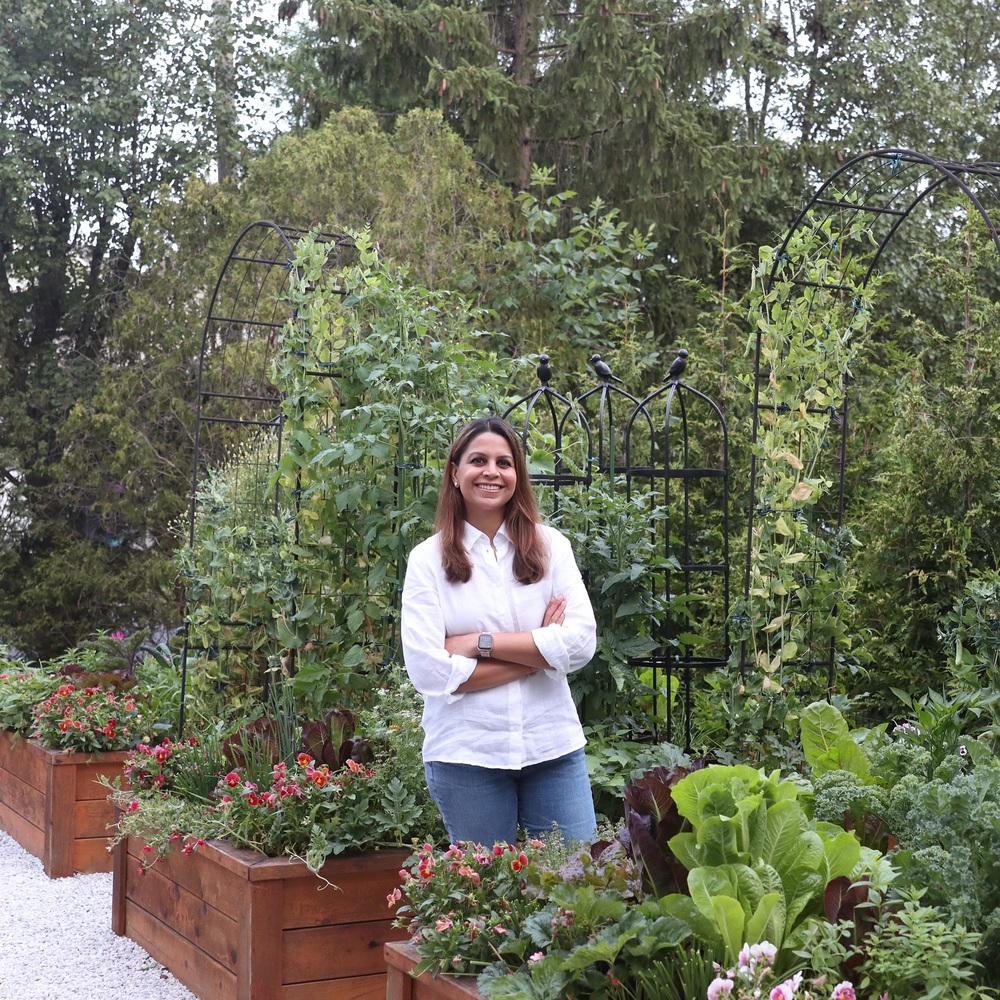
(52, 804)
(401, 985)
(232, 924)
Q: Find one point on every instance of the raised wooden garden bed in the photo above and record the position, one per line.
(231, 924)
(53, 805)
(402, 958)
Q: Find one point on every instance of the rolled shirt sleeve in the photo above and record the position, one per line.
(434, 672)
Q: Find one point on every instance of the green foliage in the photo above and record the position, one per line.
(573, 282)
(799, 594)
(621, 557)
(105, 113)
(186, 792)
(936, 792)
(915, 953)
(923, 483)
(21, 688)
(758, 864)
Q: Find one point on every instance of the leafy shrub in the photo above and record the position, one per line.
(22, 688)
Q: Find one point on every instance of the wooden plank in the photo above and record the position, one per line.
(191, 966)
(119, 889)
(188, 915)
(93, 817)
(29, 836)
(337, 950)
(24, 758)
(60, 801)
(20, 798)
(199, 874)
(356, 896)
(89, 772)
(401, 957)
(355, 988)
(259, 956)
(91, 855)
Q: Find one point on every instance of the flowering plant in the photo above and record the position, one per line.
(754, 967)
(312, 812)
(242, 788)
(467, 906)
(89, 718)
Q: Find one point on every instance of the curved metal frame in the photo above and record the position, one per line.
(245, 311)
(672, 656)
(885, 185)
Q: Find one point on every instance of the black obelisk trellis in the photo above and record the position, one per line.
(672, 445)
(881, 189)
(239, 417)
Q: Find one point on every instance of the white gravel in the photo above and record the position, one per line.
(56, 941)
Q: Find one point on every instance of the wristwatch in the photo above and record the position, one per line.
(485, 645)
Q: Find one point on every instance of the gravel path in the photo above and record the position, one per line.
(56, 941)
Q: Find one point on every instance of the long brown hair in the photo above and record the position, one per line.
(521, 514)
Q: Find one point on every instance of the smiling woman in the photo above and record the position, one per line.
(494, 617)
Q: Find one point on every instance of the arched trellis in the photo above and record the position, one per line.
(877, 191)
(643, 449)
(239, 418)
(667, 456)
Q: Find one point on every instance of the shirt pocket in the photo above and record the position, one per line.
(530, 601)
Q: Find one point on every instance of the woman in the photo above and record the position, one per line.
(494, 617)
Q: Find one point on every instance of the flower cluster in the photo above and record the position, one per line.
(467, 906)
(89, 718)
(182, 765)
(754, 966)
(309, 811)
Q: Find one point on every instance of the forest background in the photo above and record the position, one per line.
(137, 140)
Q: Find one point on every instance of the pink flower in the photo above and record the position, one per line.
(843, 991)
(537, 957)
(719, 987)
(443, 924)
(394, 897)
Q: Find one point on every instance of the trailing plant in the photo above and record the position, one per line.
(230, 785)
(532, 922)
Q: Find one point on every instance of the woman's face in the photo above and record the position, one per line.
(486, 478)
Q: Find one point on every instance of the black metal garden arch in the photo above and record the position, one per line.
(238, 404)
(640, 447)
(883, 189)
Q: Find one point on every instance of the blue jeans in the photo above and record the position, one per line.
(488, 805)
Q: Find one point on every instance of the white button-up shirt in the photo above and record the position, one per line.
(513, 725)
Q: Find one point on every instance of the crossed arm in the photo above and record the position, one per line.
(515, 654)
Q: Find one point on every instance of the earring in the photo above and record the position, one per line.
(454, 483)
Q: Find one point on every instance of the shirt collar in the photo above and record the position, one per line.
(473, 536)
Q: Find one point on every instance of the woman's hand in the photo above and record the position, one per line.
(555, 613)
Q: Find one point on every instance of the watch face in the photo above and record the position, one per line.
(485, 643)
